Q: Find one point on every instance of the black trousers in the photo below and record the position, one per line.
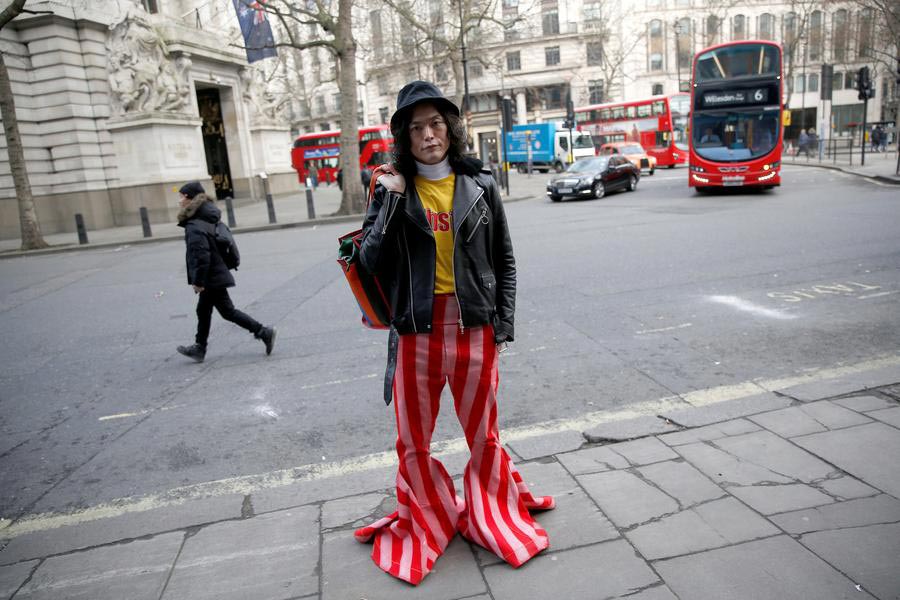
(219, 299)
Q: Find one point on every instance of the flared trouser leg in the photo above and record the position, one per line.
(429, 512)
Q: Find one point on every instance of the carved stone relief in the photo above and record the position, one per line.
(266, 105)
(143, 78)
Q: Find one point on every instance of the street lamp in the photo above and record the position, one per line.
(678, 29)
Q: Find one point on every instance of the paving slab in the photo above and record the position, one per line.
(711, 525)
(657, 592)
(725, 469)
(771, 499)
(13, 576)
(709, 432)
(865, 403)
(545, 445)
(777, 567)
(852, 513)
(644, 451)
(628, 429)
(813, 417)
(356, 511)
(726, 411)
(626, 498)
(845, 384)
(868, 555)
(846, 487)
(122, 527)
(270, 557)
(681, 481)
(868, 452)
(606, 570)
(891, 416)
(348, 573)
(135, 570)
(592, 460)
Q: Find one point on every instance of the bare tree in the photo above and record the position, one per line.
(28, 219)
(339, 42)
(609, 49)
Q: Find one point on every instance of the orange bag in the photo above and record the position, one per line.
(368, 291)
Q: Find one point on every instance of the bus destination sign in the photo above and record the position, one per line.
(735, 97)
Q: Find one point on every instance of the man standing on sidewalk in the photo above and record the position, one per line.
(207, 272)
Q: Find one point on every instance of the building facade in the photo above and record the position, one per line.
(119, 102)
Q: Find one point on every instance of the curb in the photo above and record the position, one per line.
(6, 254)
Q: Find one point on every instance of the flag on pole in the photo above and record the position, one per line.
(255, 27)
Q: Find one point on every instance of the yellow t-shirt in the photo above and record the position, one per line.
(437, 200)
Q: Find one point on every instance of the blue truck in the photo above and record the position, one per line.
(549, 144)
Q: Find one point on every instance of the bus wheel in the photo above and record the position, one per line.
(558, 167)
(599, 190)
(652, 171)
(672, 166)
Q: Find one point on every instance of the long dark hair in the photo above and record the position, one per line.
(403, 157)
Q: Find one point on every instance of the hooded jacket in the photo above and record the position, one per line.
(205, 268)
(398, 246)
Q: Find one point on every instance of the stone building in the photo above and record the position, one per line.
(120, 101)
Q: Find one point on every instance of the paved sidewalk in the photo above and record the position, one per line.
(290, 211)
(880, 166)
(790, 494)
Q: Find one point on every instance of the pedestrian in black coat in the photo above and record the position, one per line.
(207, 273)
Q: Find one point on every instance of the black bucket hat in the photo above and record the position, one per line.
(415, 92)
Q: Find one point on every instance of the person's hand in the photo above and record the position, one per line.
(392, 179)
(197, 288)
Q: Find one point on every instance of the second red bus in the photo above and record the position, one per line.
(658, 123)
(319, 153)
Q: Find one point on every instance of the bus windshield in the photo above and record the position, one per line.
(744, 60)
(735, 135)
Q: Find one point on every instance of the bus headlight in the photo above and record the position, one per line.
(768, 176)
(698, 169)
(700, 179)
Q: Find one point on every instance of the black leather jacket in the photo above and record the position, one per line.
(398, 245)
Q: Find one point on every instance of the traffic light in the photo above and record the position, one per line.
(827, 82)
(864, 84)
(507, 113)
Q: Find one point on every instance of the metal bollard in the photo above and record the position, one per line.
(310, 209)
(269, 204)
(79, 226)
(229, 211)
(145, 222)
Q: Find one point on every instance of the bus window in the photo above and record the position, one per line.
(618, 112)
(659, 107)
(604, 114)
(643, 110)
(630, 112)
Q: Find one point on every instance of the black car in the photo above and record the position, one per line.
(594, 177)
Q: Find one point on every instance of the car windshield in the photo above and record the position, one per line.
(631, 149)
(587, 165)
(731, 136)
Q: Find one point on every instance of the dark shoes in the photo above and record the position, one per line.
(267, 335)
(195, 351)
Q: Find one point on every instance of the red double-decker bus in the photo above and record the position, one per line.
(319, 152)
(658, 123)
(736, 116)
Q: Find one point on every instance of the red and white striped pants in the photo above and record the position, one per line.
(494, 513)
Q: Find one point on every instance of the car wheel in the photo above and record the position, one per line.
(558, 167)
(671, 167)
(599, 190)
(555, 198)
(652, 170)
(632, 182)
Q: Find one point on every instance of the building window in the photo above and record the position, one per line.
(713, 25)
(552, 97)
(815, 36)
(383, 114)
(476, 70)
(593, 14)
(839, 35)
(383, 85)
(739, 27)
(838, 81)
(683, 45)
(657, 46)
(550, 21)
(377, 37)
(766, 26)
(594, 53)
(595, 91)
(325, 126)
(320, 104)
(799, 86)
(866, 33)
(657, 89)
(336, 99)
(151, 6)
(789, 37)
(551, 56)
(814, 82)
(513, 61)
(850, 80)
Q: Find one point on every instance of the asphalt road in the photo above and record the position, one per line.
(634, 297)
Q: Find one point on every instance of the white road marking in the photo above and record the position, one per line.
(878, 295)
(253, 483)
(661, 329)
(139, 413)
(747, 306)
(338, 381)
